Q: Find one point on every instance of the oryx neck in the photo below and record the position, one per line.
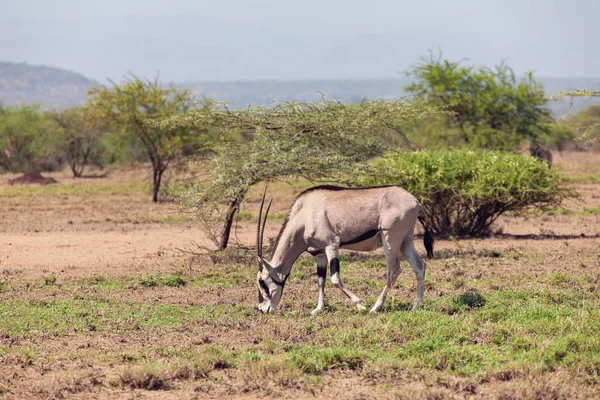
(289, 247)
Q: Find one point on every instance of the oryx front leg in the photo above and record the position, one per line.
(418, 265)
(393, 265)
(334, 269)
(322, 274)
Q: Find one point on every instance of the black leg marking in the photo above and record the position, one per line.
(321, 271)
(334, 266)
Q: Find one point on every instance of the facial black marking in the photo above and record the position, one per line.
(321, 271)
(334, 266)
(265, 287)
(362, 238)
(282, 283)
(260, 297)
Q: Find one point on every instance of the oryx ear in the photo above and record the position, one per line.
(264, 263)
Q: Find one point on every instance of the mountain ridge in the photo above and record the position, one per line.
(22, 83)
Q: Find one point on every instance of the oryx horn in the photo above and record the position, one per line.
(260, 228)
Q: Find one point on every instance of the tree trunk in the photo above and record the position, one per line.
(233, 208)
(77, 173)
(156, 179)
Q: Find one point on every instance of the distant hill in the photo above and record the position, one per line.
(54, 87)
(22, 83)
(242, 93)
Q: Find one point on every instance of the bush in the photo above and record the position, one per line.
(23, 133)
(490, 108)
(464, 191)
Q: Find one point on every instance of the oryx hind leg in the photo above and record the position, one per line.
(417, 264)
(321, 274)
(334, 269)
(391, 247)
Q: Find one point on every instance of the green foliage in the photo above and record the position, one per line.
(465, 191)
(491, 108)
(560, 136)
(587, 124)
(79, 137)
(132, 104)
(23, 134)
(320, 140)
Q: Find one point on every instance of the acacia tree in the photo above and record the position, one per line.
(78, 137)
(490, 108)
(312, 140)
(587, 119)
(134, 102)
(23, 133)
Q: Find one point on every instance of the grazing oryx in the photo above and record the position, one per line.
(324, 219)
(542, 155)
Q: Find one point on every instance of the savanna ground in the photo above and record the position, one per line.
(98, 300)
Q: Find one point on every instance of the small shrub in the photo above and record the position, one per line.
(174, 281)
(470, 299)
(50, 279)
(464, 191)
(148, 281)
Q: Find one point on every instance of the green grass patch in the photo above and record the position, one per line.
(583, 178)
(161, 219)
(248, 216)
(564, 211)
(58, 317)
(496, 327)
(66, 189)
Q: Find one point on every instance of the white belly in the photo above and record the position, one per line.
(367, 245)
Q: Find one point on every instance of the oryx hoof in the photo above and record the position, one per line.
(316, 310)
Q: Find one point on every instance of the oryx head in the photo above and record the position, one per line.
(270, 288)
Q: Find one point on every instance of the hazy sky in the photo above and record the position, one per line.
(335, 16)
(554, 37)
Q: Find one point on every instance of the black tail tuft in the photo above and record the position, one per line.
(428, 243)
(428, 239)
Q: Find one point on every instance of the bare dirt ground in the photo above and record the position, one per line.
(79, 234)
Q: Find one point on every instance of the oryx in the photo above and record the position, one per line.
(541, 154)
(324, 219)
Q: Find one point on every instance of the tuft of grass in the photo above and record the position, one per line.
(147, 377)
(149, 281)
(50, 280)
(318, 360)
